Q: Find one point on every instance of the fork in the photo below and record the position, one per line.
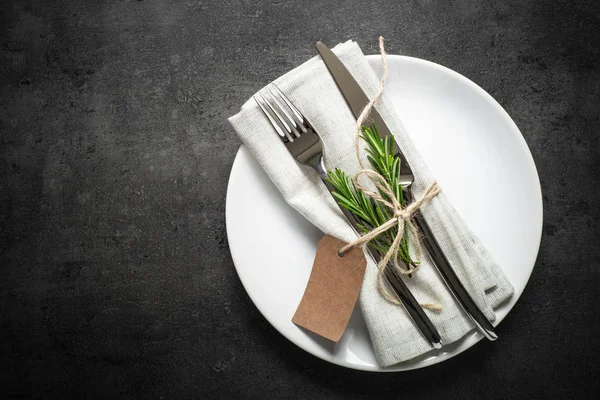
(306, 146)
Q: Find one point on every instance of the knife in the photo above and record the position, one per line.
(357, 100)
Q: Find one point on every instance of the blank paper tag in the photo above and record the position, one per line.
(332, 289)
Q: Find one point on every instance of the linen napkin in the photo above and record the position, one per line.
(314, 92)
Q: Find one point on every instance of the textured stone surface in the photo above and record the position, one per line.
(114, 158)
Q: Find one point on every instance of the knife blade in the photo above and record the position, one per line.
(357, 99)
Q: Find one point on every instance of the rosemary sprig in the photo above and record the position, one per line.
(370, 213)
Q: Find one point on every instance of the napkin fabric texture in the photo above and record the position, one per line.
(313, 91)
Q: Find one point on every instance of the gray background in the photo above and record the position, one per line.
(114, 159)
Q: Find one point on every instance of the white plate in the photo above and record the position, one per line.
(465, 137)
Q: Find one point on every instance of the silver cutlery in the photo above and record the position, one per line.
(305, 145)
(357, 100)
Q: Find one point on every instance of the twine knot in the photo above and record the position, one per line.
(401, 214)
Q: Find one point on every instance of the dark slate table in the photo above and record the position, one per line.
(114, 156)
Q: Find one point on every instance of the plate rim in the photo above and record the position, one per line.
(478, 336)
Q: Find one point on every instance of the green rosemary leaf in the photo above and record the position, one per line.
(374, 128)
(369, 212)
(379, 248)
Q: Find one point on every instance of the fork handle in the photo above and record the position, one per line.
(459, 292)
(410, 303)
(413, 308)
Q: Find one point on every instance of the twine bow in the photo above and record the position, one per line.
(401, 216)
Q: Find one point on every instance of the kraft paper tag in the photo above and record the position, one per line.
(332, 289)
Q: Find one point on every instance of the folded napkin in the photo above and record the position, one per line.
(393, 334)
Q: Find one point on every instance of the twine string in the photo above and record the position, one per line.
(402, 217)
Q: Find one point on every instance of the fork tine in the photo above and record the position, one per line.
(281, 113)
(298, 117)
(281, 129)
(292, 120)
(275, 114)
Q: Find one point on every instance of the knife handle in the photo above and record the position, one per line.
(459, 292)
